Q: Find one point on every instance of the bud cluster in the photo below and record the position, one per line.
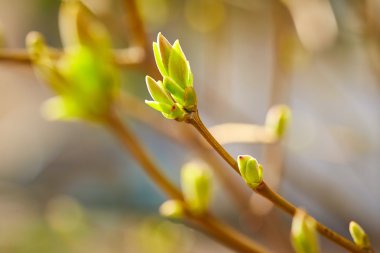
(174, 96)
(85, 77)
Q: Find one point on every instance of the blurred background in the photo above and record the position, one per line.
(69, 186)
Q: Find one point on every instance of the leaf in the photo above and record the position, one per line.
(178, 68)
(157, 92)
(157, 57)
(174, 89)
(165, 49)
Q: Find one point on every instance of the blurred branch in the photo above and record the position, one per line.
(207, 222)
(284, 39)
(242, 133)
(185, 135)
(264, 190)
(368, 11)
(128, 57)
(135, 24)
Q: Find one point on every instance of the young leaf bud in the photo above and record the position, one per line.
(176, 72)
(359, 235)
(303, 233)
(163, 102)
(190, 99)
(157, 92)
(178, 67)
(173, 209)
(196, 187)
(78, 25)
(251, 171)
(165, 49)
(85, 77)
(174, 89)
(277, 120)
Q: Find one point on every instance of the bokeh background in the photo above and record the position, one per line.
(69, 186)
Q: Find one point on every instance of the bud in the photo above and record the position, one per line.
(303, 233)
(196, 187)
(85, 77)
(44, 65)
(173, 209)
(277, 120)
(358, 235)
(250, 170)
(176, 72)
(163, 102)
(78, 25)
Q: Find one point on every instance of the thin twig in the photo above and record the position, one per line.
(185, 135)
(265, 190)
(226, 235)
(135, 24)
(128, 57)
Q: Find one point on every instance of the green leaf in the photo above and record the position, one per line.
(190, 99)
(174, 89)
(164, 108)
(43, 63)
(191, 77)
(157, 92)
(168, 111)
(165, 50)
(178, 68)
(78, 25)
(157, 57)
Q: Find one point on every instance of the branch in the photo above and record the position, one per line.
(265, 190)
(207, 222)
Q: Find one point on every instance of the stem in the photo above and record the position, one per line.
(196, 121)
(128, 57)
(208, 223)
(136, 26)
(131, 143)
(231, 236)
(264, 190)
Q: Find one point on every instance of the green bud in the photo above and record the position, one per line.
(303, 233)
(85, 77)
(176, 72)
(44, 65)
(175, 90)
(196, 187)
(178, 67)
(78, 25)
(277, 120)
(157, 92)
(250, 170)
(190, 99)
(173, 209)
(173, 111)
(165, 49)
(163, 102)
(92, 82)
(359, 235)
(35, 44)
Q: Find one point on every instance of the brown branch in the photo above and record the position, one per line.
(129, 57)
(264, 190)
(207, 223)
(185, 135)
(135, 24)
